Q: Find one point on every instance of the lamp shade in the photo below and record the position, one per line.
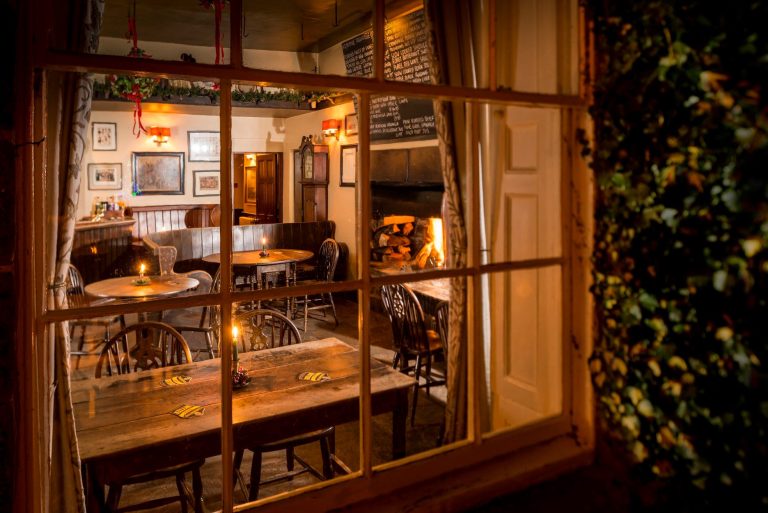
(159, 132)
(331, 125)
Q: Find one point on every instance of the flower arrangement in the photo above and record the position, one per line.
(681, 231)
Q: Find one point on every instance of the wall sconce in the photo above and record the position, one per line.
(331, 128)
(159, 134)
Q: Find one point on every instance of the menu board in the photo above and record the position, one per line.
(406, 59)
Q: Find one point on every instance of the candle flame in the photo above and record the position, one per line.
(234, 333)
(142, 268)
(263, 241)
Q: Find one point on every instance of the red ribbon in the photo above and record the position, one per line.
(132, 34)
(135, 96)
(218, 5)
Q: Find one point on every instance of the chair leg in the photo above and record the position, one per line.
(325, 451)
(197, 489)
(428, 373)
(113, 497)
(237, 476)
(333, 307)
(80, 345)
(209, 343)
(395, 359)
(289, 458)
(416, 390)
(253, 493)
(306, 312)
(182, 491)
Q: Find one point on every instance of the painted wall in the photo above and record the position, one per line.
(250, 134)
(341, 200)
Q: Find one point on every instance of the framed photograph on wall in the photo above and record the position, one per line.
(348, 165)
(158, 172)
(104, 136)
(105, 177)
(206, 183)
(350, 124)
(204, 146)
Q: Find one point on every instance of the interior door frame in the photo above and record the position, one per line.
(250, 207)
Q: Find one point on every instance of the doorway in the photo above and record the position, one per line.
(258, 179)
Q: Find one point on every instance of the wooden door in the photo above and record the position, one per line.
(267, 189)
(526, 305)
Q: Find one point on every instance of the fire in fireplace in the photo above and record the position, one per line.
(407, 241)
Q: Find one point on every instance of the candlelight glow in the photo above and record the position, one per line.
(263, 241)
(142, 268)
(234, 333)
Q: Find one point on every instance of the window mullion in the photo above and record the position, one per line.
(378, 41)
(236, 34)
(474, 288)
(364, 294)
(225, 349)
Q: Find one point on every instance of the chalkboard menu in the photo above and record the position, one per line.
(406, 59)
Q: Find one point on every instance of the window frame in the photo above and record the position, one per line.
(567, 439)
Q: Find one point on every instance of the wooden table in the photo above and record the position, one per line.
(278, 260)
(124, 287)
(124, 424)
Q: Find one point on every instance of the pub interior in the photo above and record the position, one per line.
(267, 286)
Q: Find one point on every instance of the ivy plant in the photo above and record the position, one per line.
(680, 150)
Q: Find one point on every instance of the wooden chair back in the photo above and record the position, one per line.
(264, 328)
(75, 285)
(441, 317)
(414, 326)
(394, 306)
(156, 345)
(328, 259)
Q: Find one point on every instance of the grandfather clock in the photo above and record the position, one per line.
(310, 181)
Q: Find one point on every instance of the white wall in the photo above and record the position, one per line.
(341, 200)
(249, 135)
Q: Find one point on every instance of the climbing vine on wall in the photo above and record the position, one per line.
(681, 257)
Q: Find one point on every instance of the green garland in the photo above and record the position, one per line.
(150, 87)
(680, 263)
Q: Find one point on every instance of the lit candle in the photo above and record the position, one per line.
(263, 243)
(234, 345)
(142, 268)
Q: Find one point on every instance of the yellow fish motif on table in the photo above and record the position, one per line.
(186, 411)
(314, 376)
(177, 380)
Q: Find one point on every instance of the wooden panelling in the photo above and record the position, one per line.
(162, 218)
(98, 250)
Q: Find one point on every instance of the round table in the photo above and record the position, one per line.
(275, 257)
(125, 288)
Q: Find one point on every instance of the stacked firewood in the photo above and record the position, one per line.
(397, 238)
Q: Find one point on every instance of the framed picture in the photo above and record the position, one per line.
(350, 124)
(158, 172)
(348, 165)
(250, 185)
(204, 146)
(104, 136)
(206, 183)
(105, 177)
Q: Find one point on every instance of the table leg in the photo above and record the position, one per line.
(399, 414)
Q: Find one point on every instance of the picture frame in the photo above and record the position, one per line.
(158, 172)
(348, 165)
(206, 182)
(350, 124)
(104, 136)
(105, 177)
(204, 145)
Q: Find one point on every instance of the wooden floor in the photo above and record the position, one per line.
(422, 436)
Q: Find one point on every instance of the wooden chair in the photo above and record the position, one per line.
(202, 319)
(328, 259)
(76, 295)
(156, 345)
(416, 341)
(265, 329)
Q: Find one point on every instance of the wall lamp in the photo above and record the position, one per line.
(159, 134)
(331, 128)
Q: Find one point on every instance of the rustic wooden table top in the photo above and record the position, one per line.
(125, 287)
(131, 414)
(276, 256)
(439, 289)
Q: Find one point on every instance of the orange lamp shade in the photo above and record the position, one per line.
(159, 133)
(331, 125)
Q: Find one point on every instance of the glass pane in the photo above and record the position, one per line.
(521, 183)
(536, 46)
(407, 46)
(523, 345)
(410, 231)
(410, 328)
(328, 38)
(138, 392)
(295, 381)
(294, 192)
(147, 205)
